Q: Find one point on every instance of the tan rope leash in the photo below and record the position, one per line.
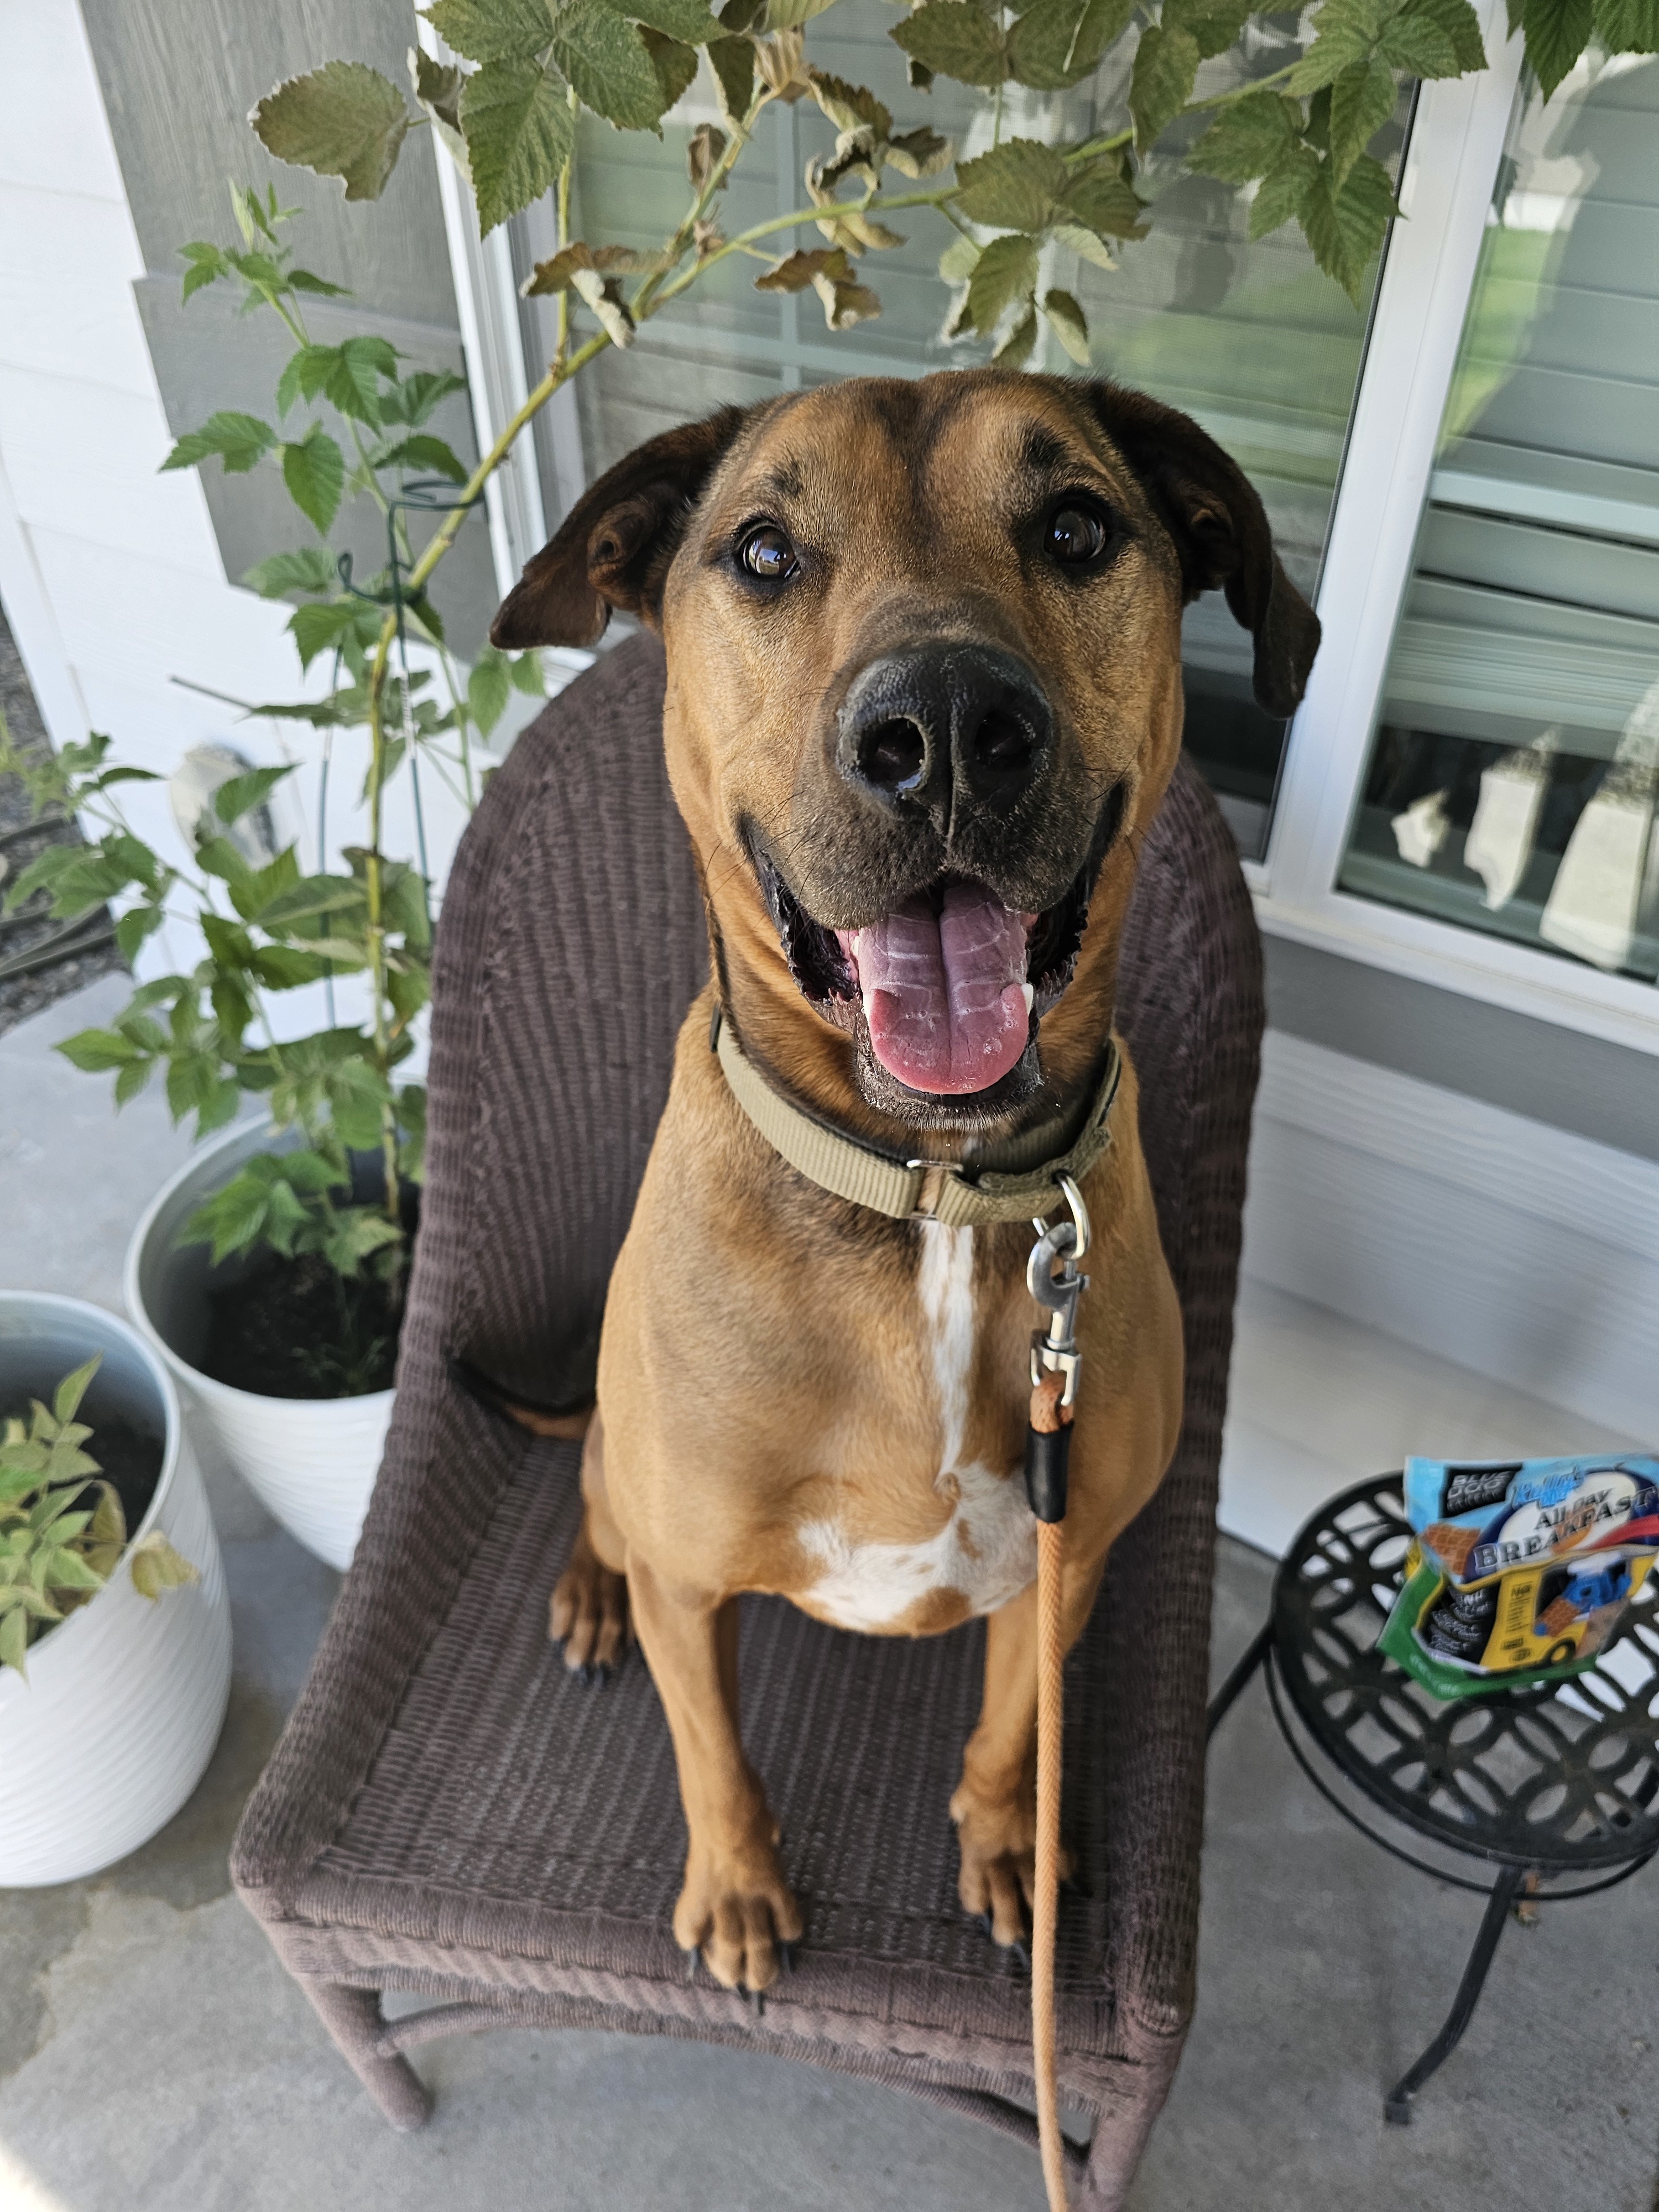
(1056, 1360)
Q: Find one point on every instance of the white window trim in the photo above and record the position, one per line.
(1457, 141)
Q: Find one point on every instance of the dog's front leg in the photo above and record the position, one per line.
(735, 1907)
(994, 1805)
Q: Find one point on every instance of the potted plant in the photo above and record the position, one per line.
(114, 1626)
(269, 1272)
(518, 82)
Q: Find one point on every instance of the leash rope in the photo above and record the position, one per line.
(1055, 1364)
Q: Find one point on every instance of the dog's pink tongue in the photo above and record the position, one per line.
(944, 994)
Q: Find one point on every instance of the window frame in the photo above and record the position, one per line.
(1457, 141)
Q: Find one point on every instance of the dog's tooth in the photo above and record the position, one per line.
(1028, 991)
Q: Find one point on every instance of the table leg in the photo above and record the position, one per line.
(1222, 1703)
(1397, 2105)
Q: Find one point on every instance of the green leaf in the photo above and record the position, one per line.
(1015, 348)
(527, 674)
(132, 1079)
(95, 1052)
(414, 398)
(1249, 138)
(1099, 199)
(1345, 226)
(334, 622)
(955, 38)
(1285, 189)
(492, 30)
(157, 1567)
(675, 64)
(285, 967)
(308, 900)
(487, 689)
(240, 440)
(357, 1232)
(1069, 324)
(303, 280)
(1462, 26)
(1057, 43)
(310, 569)
(1166, 63)
(1557, 31)
(687, 21)
(231, 946)
(208, 264)
(356, 1093)
(423, 451)
(66, 1400)
(519, 133)
(1420, 46)
(343, 120)
(314, 473)
(135, 926)
(732, 61)
(1005, 271)
(1014, 187)
(1215, 25)
(1362, 101)
(605, 59)
(1628, 26)
(235, 796)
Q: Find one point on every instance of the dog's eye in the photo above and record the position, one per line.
(766, 552)
(1078, 532)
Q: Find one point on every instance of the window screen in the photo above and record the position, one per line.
(1511, 782)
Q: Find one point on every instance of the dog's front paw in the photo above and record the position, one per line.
(738, 1911)
(588, 1611)
(997, 1841)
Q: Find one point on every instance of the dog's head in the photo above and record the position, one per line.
(924, 687)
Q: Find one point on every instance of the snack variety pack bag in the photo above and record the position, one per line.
(1519, 1572)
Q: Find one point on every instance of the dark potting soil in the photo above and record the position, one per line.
(130, 1460)
(294, 1328)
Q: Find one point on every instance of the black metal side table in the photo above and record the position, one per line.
(1548, 1785)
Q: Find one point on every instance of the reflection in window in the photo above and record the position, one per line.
(1248, 338)
(1512, 783)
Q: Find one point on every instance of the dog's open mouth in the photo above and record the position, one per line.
(951, 980)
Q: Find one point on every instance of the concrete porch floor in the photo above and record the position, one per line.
(153, 2053)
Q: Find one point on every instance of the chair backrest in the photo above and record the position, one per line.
(572, 941)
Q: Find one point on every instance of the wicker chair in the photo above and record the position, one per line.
(450, 1812)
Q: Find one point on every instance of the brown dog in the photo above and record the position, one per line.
(924, 694)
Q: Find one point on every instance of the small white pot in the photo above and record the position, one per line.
(125, 1699)
(312, 1461)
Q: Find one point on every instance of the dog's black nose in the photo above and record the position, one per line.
(920, 724)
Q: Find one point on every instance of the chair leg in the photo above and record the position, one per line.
(1222, 1703)
(352, 2017)
(1397, 2105)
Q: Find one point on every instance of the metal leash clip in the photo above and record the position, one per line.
(1053, 1351)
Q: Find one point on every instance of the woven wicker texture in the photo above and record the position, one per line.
(448, 1809)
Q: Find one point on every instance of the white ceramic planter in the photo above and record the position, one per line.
(125, 1699)
(312, 1461)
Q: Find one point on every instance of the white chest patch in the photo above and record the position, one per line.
(987, 1548)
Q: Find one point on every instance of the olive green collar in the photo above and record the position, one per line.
(1015, 1181)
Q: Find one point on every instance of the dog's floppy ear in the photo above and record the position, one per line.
(1210, 507)
(613, 548)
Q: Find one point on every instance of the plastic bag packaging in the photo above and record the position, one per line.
(1519, 1571)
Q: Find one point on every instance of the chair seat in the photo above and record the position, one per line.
(530, 1827)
